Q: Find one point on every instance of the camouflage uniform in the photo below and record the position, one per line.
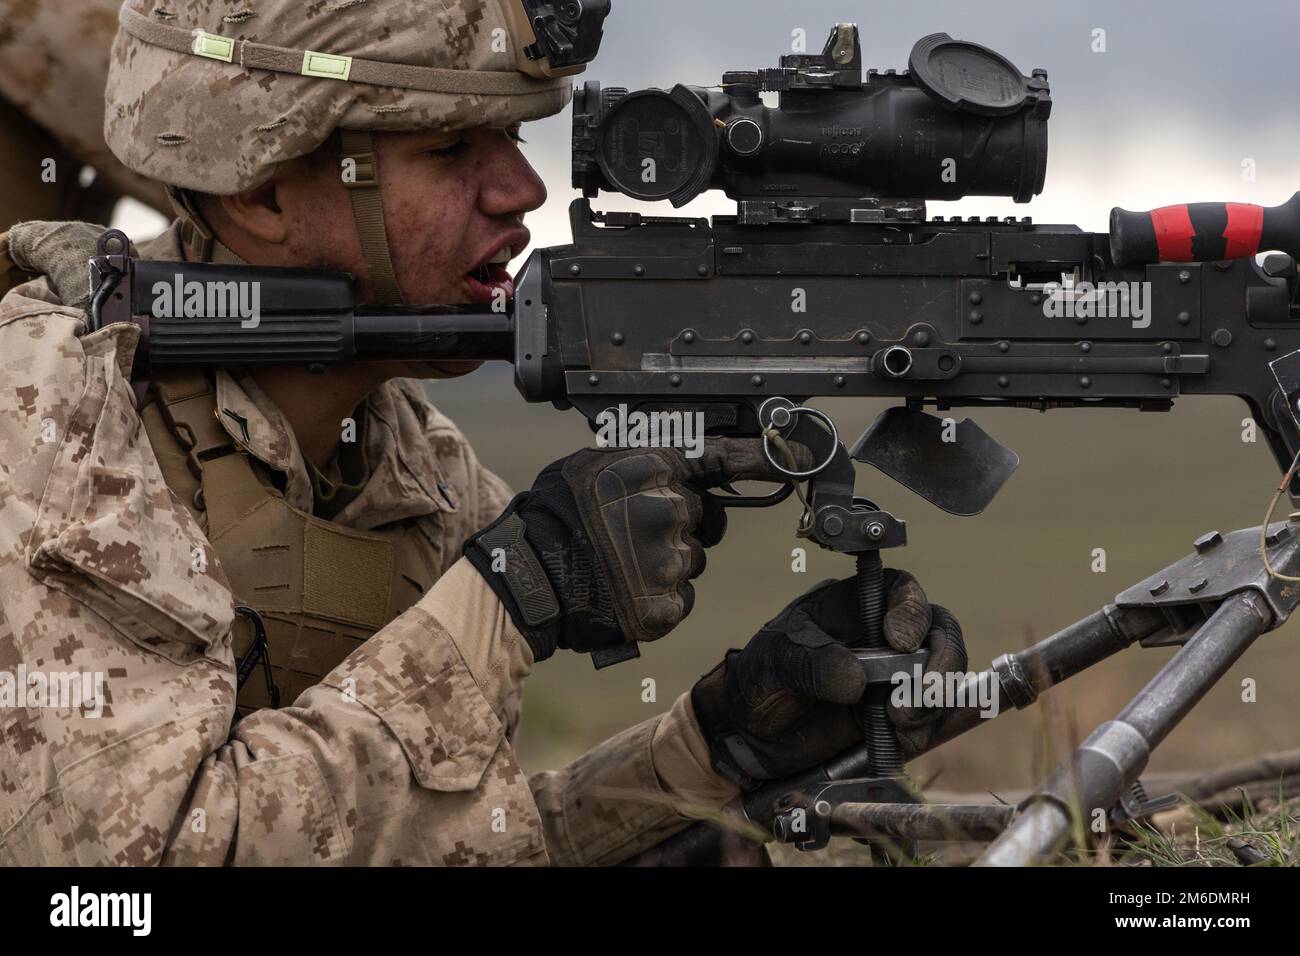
(403, 752)
(55, 58)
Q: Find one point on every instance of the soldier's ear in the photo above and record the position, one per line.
(257, 212)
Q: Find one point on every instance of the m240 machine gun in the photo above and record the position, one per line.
(832, 281)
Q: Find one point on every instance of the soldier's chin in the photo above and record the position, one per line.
(441, 369)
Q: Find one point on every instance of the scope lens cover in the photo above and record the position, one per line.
(656, 145)
(967, 76)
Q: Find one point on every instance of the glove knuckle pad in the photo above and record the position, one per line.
(660, 613)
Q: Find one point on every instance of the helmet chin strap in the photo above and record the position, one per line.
(368, 211)
(197, 236)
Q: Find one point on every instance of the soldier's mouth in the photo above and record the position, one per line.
(490, 284)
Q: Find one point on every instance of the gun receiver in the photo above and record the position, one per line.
(652, 312)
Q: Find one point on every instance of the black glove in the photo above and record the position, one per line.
(602, 550)
(792, 699)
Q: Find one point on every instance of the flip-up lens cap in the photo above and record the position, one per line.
(966, 76)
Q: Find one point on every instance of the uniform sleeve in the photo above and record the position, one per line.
(397, 757)
(625, 795)
(633, 791)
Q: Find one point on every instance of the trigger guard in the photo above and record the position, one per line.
(752, 501)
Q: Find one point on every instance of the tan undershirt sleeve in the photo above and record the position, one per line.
(629, 793)
(621, 797)
(492, 647)
(682, 759)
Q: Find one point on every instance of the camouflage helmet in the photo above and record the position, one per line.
(214, 95)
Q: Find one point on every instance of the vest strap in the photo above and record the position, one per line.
(188, 402)
(319, 588)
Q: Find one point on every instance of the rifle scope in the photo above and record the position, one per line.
(961, 121)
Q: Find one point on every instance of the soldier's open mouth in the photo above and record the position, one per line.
(490, 283)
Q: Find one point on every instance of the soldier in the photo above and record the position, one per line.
(52, 114)
(150, 542)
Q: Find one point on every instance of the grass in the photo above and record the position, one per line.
(1264, 834)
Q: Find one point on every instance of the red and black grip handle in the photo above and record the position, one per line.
(1204, 232)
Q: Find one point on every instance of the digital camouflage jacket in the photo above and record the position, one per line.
(401, 755)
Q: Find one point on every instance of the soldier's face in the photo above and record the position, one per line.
(454, 205)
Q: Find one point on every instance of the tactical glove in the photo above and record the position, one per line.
(59, 250)
(792, 699)
(601, 551)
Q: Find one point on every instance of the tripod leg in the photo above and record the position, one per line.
(1113, 756)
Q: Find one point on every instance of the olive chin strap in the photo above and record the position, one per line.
(368, 211)
(197, 237)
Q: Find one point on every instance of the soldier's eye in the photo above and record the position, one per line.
(515, 134)
(450, 151)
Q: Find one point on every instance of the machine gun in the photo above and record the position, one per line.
(830, 281)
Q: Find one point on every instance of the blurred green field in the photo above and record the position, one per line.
(1141, 486)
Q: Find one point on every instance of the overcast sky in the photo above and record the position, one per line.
(1185, 91)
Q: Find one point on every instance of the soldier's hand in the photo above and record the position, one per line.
(60, 251)
(601, 551)
(792, 699)
(917, 724)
